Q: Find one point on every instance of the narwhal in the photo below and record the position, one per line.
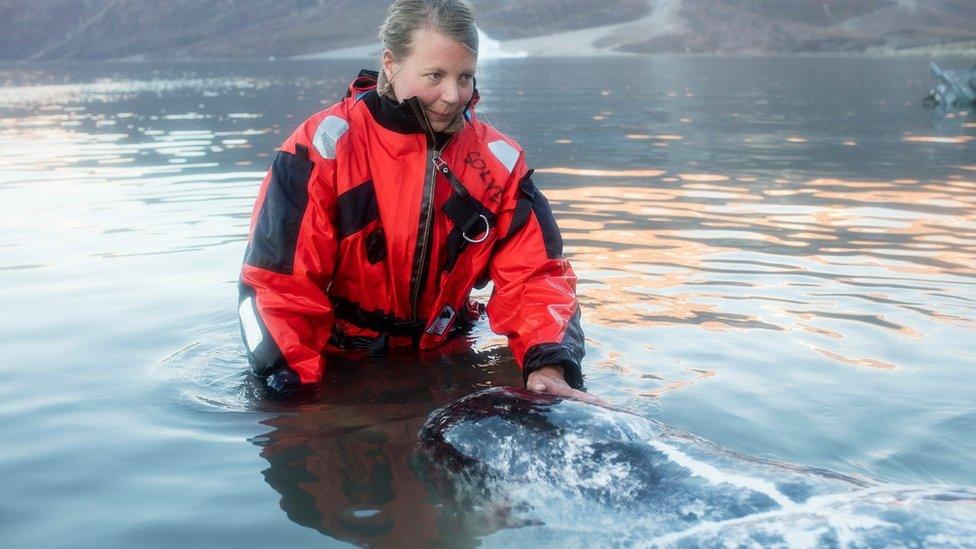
(582, 473)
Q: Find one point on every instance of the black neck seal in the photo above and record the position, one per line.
(397, 117)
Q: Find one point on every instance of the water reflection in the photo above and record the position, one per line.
(653, 252)
(953, 140)
(344, 461)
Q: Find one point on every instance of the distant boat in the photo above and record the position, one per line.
(958, 89)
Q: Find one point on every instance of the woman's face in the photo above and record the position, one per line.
(439, 71)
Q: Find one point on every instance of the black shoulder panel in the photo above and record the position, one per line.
(543, 213)
(275, 237)
(523, 207)
(356, 208)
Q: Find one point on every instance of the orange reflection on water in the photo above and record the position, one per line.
(824, 181)
(952, 140)
(660, 137)
(645, 252)
(672, 386)
(717, 188)
(583, 172)
(703, 177)
(864, 362)
(580, 224)
(788, 192)
(820, 331)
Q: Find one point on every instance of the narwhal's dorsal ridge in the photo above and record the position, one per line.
(538, 461)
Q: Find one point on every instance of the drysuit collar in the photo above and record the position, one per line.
(409, 117)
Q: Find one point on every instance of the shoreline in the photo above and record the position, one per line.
(371, 52)
(926, 52)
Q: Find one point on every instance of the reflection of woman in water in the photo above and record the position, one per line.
(382, 212)
(347, 466)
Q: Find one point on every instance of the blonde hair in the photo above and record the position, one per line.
(452, 18)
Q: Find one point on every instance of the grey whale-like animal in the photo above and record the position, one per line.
(564, 470)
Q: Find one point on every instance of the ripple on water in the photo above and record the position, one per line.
(210, 373)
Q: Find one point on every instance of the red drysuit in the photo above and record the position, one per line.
(370, 230)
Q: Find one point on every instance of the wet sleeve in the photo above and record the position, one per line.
(285, 315)
(534, 298)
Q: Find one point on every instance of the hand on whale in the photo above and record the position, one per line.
(550, 380)
(568, 473)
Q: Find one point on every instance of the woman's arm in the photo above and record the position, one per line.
(286, 317)
(534, 299)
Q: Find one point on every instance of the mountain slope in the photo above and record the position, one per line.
(180, 29)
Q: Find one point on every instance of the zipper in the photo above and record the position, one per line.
(424, 234)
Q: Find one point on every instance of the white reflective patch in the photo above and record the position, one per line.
(442, 321)
(252, 330)
(505, 153)
(330, 129)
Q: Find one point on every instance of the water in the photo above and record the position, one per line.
(775, 255)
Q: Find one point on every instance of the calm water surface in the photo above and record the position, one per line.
(777, 255)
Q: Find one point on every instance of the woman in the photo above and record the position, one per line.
(382, 212)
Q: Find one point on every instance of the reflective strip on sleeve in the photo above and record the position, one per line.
(505, 153)
(327, 134)
(249, 320)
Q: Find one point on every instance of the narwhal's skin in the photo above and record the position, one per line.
(564, 470)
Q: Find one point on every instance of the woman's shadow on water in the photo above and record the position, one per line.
(342, 454)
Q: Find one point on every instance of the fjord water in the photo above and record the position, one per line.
(777, 255)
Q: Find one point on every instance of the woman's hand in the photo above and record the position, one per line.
(550, 380)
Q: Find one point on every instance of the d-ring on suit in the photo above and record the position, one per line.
(370, 230)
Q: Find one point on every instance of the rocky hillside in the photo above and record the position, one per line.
(178, 29)
(766, 26)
